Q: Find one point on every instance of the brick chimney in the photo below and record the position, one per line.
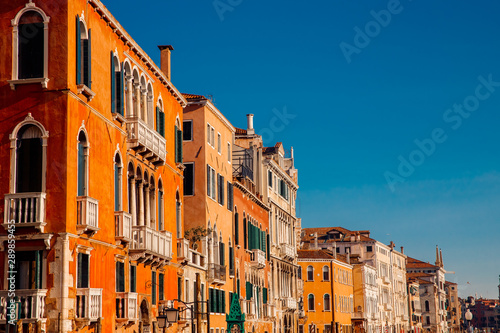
(165, 63)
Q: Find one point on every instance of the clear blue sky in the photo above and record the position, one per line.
(353, 120)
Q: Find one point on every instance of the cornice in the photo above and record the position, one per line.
(251, 195)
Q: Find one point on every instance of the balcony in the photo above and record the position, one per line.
(216, 273)
(358, 315)
(300, 284)
(88, 305)
(30, 305)
(386, 280)
(249, 309)
(258, 258)
(146, 141)
(387, 307)
(123, 227)
(126, 306)
(25, 210)
(289, 303)
(87, 215)
(287, 251)
(151, 246)
(183, 251)
(269, 311)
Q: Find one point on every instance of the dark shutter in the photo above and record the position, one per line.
(264, 295)
(208, 180)
(179, 288)
(249, 291)
(178, 145)
(236, 229)
(153, 287)
(121, 100)
(211, 299)
(187, 130)
(238, 287)
(81, 170)
(270, 178)
(222, 254)
(162, 123)
(117, 188)
(83, 270)
(38, 269)
(268, 252)
(120, 277)
(245, 232)
(88, 72)
(160, 286)
(78, 52)
(133, 279)
(113, 84)
(158, 119)
(231, 258)
(222, 192)
(31, 48)
(223, 301)
(189, 179)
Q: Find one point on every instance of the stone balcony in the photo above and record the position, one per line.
(87, 215)
(289, 303)
(126, 306)
(88, 306)
(146, 141)
(151, 246)
(25, 210)
(216, 273)
(183, 254)
(287, 251)
(30, 305)
(269, 311)
(123, 227)
(258, 258)
(358, 315)
(386, 280)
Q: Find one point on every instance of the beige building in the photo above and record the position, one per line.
(452, 306)
(415, 309)
(365, 298)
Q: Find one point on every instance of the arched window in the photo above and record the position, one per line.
(326, 302)
(82, 165)
(29, 159)
(83, 54)
(118, 182)
(160, 205)
(427, 306)
(160, 119)
(299, 272)
(117, 92)
(152, 203)
(310, 273)
(245, 241)
(326, 273)
(310, 302)
(30, 46)
(236, 227)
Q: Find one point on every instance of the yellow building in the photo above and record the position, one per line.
(328, 291)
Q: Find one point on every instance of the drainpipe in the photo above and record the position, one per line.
(332, 298)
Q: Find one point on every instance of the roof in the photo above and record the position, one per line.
(193, 96)
(415, 263)
(314, 254)
(323, 234)
(240, 131)
(417, 275)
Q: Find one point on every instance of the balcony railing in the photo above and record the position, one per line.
(25, 209)
(386, 280)
(269, 311)
(387, 307)
(258, 258)
(151, 241)
(287, 251)
(183, 250)
(249, 308)
(29, 303)
(217, 273)
(358, 315)
(89, 303)
(87, 214)
(290, 303)
(126, 306)
(123, 227)
(148, 141)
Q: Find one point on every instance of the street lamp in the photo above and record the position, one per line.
(167, 317)
(468, 317)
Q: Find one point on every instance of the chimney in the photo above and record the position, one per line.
(437, 263)
(335, 254)
(165, 63)
(348, 256)
(315, 240)
(291, 153)
(402, 250)
(250, 129)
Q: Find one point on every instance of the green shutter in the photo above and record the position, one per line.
(158, 119)
(153, 287)
(133, 279)
(117, 188)
(160, 286)
(89, 61)
(264, 295)
(210, 300)
(78, 52)
(178, 145)
(245, 233)
(231, 258)
(223, 301)
(268, 252)
(162, 124)
(248, 287)
(236, 229)
(81, 170)
(238, 290)
(121, 104)
(223, 254)
(113, 87)
(249, 230)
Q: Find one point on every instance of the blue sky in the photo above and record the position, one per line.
(351, 120)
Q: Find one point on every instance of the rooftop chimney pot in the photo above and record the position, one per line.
(250, 129)
(165, 63)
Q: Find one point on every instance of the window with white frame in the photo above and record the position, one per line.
(83, 53)
(211, 182)
(229, 152)
(219, 143)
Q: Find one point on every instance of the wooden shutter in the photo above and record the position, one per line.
(117, 188)
(121, 100)
(88, 82)
(176, 148)
(208, 181)
(222, 254)
(38, 269)
(178, 145)
(264, 295)
(113, 85)
(211, 300)
(236, 229)
(153, 287)
(133, 279)
(268, 252)
(160, 286)
(238, 287)
(231, 258)
(223, 294)
(81, 170)
(78, 52)
(222, 192)
(248, 287)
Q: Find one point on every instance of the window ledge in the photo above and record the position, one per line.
(119, 117)
(42, 80)
(86, 91)
(180, 166)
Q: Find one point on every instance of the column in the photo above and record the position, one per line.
(144, 110)
(151, 111)
(152, 210)
(140, 207)
(137, 106)
(130, 101)
(132, 202)
(147, 206)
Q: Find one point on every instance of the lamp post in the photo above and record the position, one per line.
(170, 314)
(468, 317)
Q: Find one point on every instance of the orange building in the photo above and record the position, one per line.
(209, 199)
(93, 147)
(328, 292)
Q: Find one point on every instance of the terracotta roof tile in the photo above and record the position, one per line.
(314, 254)
(240, 131)
(193, 96)
(415, 263)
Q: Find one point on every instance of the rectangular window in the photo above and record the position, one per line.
(153, 287)
(83, 271)
(269, 178)
(187, 134)
(230, 197)
(161, 281)
(133, 278)
(120, 277)
(179, 288)
(208, 133)
(211, 182)
(28, 265)
(219, 144)
(212, 137)
(189, 178)
(178, 145)
(369, 248)
(220, 188)
(229, 152)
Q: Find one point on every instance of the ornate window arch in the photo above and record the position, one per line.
(118, 172)
(83, 147)
(29, 130)
(30, 46)
(310, 273)
(326, 273)
(310, 302)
